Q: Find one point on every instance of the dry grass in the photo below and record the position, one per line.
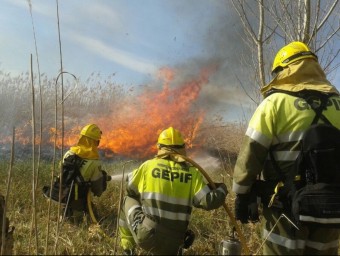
(210, 227)
(222, 141)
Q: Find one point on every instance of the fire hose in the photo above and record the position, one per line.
(211, 183)
(89, 207)
(89, 203)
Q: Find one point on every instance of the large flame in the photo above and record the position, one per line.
(132, 128)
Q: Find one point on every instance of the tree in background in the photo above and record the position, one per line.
(269, 25)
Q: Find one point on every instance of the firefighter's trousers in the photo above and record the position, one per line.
(138, 229)
(285, 239)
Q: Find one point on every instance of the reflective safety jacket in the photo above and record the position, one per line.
(279, 123)
(167, 191)
(91, 171)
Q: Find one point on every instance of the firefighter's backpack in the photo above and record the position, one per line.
(317, 197)
(72, 184)
(314, 187)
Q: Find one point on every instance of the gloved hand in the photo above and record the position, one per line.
(105, 179)
(220, 185)
(246, 208)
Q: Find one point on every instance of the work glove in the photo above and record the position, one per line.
(220, 185)
(105, 179)
(246, 208)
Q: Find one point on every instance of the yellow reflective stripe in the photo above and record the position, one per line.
(165, 198)
(284, 241)
(319, 220)
(130, 212)
(285, 155)
(201, 194)
(322, 246)
(298, 243)
(167, 214)
(289, 136)
(258, 137)
(240, 189)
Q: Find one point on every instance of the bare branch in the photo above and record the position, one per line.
(290, 20)
(279, 22)
(314, 27)
(330, 37)
(332, 59)
(330, 11)
(246, 25)
(246, 91)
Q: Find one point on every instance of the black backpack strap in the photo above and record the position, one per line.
(276, 166)
(74, 162)
(310, 96)
(318, 108)
(287, 183)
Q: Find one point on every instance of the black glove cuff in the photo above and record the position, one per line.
(241, 207)
(104, 180)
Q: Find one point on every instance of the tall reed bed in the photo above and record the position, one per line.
(210, 227)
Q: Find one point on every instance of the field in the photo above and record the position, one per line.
(45, 236)
(130, 120)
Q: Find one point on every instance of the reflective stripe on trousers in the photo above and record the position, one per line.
(298, 243)
(149, 235)
(286, 239)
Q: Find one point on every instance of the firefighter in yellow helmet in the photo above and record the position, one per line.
(160, 196)
(92, 174)
(271, 146)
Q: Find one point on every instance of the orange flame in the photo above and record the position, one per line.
(132, 130)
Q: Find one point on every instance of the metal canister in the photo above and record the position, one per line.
(230, 246)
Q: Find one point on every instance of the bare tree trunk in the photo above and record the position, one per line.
(315, 23)
(306, 22)
(260, 45)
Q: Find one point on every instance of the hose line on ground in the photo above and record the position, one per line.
(89, 207)
(98, 228)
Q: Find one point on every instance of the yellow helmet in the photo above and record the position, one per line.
(171, 137)
(291, 53)
(92, 131)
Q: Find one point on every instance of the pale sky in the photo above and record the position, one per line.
(132, 39)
